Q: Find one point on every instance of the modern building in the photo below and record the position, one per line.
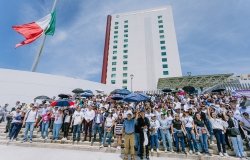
(140, 47)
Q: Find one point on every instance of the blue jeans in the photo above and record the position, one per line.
(44, 131)
(56, 130)
(238, 146)
(154, 141)
(107, 135)
(165, 135)
(15, 130)
(137, 142)
(97, 129)
(29, 126)
(203, 142)
(191, 140)
(177, 140)
(210, 129)
(220, 138)
(76, 132)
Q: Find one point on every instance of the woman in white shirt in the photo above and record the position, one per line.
(108, 128)
(57, 124)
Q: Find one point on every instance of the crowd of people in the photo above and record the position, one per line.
(173, 122)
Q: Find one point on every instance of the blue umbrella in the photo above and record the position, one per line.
(136, 97)
(121, 91)
(117, 97)
(88, 91)
(62, 103)
(87, 94)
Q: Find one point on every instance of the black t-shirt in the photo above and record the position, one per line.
(141, 123)
(199, 123)
(177, 124)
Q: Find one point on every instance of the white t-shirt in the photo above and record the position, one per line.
(77, 117)
(31, 116)
(67, 119)
(109, 121)
(89, 115)
(188, 121)
(218, 123)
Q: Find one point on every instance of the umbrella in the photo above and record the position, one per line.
(63, 96)
(88, 91)
(62, 103)
(166, 90)
(117, 97)
(87, 94)
(121, 91)
(189, 89)
(42, 98)
(218, 90)
(78, 90)
(136, 97)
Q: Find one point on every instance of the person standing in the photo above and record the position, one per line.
(154, 125)
(98, 122)
(17, 124)
(118, 130)
(57, 124)
(29, 122)
(66, 124)
(108, 128)
(77, 122)
(88, 120)
(45, 124)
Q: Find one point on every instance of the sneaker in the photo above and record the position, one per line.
(157, 150)
(109, 146)
(166, 151)
(152, 150)
(172, 150)
(212, 143)
(118, 147)
(30, 141)
(46, 138)
(208, 154)
(101, 146)
(221, 154)
(225, 154)
(198, 153)
(190, 152)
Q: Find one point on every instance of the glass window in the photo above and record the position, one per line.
(163, 53)
(114, 52)
(126, 21)
(116, 27)
(159, 17)
(115, 41)
(114, 57)
(113, 75)
(112, 81)
(163, 47)
(161, 31)
(161, 36)
(125, 51)
(116, 36)
(160, 21)
(125, 31)
(160, 26)
(125, 75)
(115, 32)
(125, 35)
(124, 81)
(162, 42)
(125, 56)
(125, 68)
(116, 23)
(125, 40)
(113, 63)
(125, 45)
(113, 69)
(114, 47)
(165, 72)
(164, 66)
(164, 59)
(125, 26)
(125, 62)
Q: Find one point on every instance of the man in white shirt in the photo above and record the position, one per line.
(154, 125)
(77, 119)
(88, 120)
(29, 122)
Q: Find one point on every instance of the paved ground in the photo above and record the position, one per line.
(27, 153)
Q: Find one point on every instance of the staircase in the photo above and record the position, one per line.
(94, 147)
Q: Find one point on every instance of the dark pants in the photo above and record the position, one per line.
(8, 125)
(98, 129)
(141, 138)
(10, 128)
(220, 138)
(76, 132)
(87, 128)
(15, 130)
(66, 129)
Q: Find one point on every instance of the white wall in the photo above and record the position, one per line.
(25, 86)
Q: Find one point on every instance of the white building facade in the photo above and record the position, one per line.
(142, 44)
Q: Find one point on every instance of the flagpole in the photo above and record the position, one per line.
(39, 53)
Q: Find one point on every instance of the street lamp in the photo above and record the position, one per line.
(131, 76)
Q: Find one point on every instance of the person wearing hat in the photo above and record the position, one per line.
(154, 125)
(165, 124)
(129, 130)
(29, 122)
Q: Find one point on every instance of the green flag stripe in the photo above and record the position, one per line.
(52, 25)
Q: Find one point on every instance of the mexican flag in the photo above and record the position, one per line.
(34, 30)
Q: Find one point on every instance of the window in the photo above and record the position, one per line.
(163, 47)
(125, 56)
(126, 21)
(115, 41)
(125, 62)
(125, 35)
(163, 53)
(124, 81)
(124, 87)
(114, 52)
(165, 72)
(160, 26)
(114, 57)
(159, 17)
(164, 66)
(125, 26)
(125, 45)
(125, 75)
(162, 42)
(113, 75)
(115, 32)
(160, 21)
(161, 36)
(113, 69)
(125, 40)
(114, 47)
(116, 36)
(125, 31)
(112, 81)
(164, 59)
(116, 27)
(125, 51)
(161, 31)
(113, 63)
(116, 23)
(125, 68)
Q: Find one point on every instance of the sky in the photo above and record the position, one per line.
(213, 36)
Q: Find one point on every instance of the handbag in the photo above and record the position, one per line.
(234, 131)
(180, 134)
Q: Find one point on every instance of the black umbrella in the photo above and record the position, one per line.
(63, 96)
(121, 91)
(189, 89)
(166, 90)
(42, 98)
(78, 90)
(218, 90)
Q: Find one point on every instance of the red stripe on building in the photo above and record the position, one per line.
(106, 51)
